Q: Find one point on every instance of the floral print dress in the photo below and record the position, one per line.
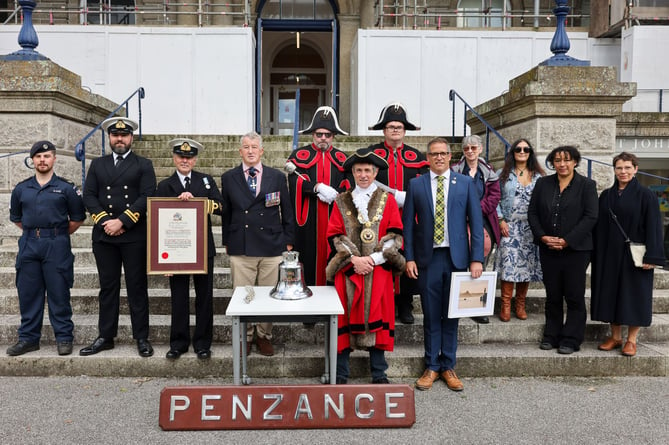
(518, 257)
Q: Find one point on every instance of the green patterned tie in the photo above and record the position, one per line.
(439, 212)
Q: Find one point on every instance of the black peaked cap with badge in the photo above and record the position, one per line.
(188, 148)
(41, 147)
(325, 118)
(365, 156)
(119, 125)
(394, 112)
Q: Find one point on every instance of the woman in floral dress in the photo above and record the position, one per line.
(517, 257)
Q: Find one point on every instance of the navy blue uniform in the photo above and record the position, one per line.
(109, 193)
(45, 263)
(202, 185)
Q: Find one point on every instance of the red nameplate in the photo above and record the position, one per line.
(279, 407)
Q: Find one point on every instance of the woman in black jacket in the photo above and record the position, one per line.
(562, 213)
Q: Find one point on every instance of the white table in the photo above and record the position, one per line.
(322, 306)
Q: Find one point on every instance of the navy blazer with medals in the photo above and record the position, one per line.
(201, 186)
(259, 225)
(111, 192)
(462, 207)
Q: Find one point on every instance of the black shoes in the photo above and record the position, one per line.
(64, 347)
(481, 320)
(203, 354)
(405, 314)
(546, 346)
(381, 381)
(144, 347)
(100, 344)
(21, 347)
(341, 381)
(565, 349)
(173, 354)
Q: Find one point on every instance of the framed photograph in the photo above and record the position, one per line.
(472, 297)
(176, 236)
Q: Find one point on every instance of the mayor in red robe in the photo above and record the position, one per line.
(365, 239)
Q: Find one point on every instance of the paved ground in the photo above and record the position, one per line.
(76, 410)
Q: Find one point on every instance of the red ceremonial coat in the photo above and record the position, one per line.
(368, 300)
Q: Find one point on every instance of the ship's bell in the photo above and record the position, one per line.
(290, 285)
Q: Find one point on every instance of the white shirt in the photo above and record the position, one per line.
(182, 178)
(433, 184)
(361, 199)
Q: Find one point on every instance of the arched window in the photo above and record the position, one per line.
(482, 13)
(298, 10)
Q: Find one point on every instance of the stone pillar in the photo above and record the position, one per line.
(560, 105)
(366, 14)
(41, 100)
(223, 10)
(348, 29)
(189, 6)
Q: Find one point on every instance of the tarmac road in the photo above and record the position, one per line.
(89, 410)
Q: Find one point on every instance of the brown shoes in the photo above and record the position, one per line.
(427, 379)
(629, 349)
(610, 344)
(264, 346)
(452, 380)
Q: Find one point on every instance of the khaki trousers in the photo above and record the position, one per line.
(255, 271)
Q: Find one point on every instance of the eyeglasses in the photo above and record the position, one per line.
(522, 150)
(323, 134)
(439, 154)
(395, 128)
(470, 148)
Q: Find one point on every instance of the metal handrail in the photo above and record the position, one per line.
(25, 161)
(452, 95)
(80, 148)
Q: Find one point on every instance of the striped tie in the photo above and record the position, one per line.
(439, 212)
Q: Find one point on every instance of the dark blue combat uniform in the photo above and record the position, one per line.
(45, 263)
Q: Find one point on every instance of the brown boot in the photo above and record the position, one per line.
(507, 291)
(521, 294)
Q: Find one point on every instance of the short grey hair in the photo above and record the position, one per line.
(253, 136)
(473, 140)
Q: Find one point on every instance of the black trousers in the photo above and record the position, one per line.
(109, 257)
(180, 337)
(564, 280)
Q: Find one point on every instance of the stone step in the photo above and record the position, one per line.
(83, 256)
(85, 301)
(469, 332)
(87, 277)
(293, 361)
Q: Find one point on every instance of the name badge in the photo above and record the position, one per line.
(272, 199)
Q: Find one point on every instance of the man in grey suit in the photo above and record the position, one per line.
(258, 225)
(437, 210)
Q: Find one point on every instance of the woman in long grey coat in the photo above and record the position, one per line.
(622, 294)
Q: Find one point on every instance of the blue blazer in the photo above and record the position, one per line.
(256, 225)
(462, 206)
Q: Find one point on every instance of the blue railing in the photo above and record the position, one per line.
(80, 148)
(452, 95)
(27, 161)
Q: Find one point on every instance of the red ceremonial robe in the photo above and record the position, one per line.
(368, 300)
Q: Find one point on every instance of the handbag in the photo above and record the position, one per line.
(637, 250)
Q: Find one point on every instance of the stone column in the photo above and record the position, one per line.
(189, 6)
(223, 10)
(560, 105)
(41, 100)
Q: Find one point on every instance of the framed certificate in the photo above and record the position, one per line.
(176, 236)
(472, 297)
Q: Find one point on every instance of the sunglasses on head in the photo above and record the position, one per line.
(522, 150)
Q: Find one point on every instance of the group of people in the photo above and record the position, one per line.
(381, 225)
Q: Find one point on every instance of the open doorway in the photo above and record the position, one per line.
(296, 49)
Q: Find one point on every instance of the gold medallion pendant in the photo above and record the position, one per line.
(367, 235)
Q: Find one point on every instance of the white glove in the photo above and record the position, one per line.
(326, 193)
(400, 196)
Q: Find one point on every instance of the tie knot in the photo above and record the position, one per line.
(251, 171)
(440, 178)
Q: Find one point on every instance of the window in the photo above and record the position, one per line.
(298, 9)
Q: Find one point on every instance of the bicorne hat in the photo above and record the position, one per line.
(394, 112)
(326, 118)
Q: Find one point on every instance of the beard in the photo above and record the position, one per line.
(121, 149)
